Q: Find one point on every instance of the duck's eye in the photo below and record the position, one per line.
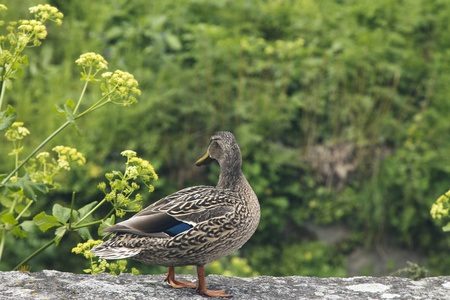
(215, 139)
(214, 147)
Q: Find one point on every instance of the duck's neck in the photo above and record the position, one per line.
(231, 177)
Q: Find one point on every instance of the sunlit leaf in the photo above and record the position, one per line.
(59, 233)
(45, 222)
(9, 219)
(70, 103)
(30, 189)
(7, 118)
(106, 223)
(84, 232)
(446, 228)
(59, 110)
(70, 117)
(28, 225)
(19, 233)
(61, 213)
(86, 209)
(172, 41)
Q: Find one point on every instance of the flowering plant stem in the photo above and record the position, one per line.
(51, 136)
(48, 244)
(53, 241)
(3, 88)
(81, 97)
(57, 131)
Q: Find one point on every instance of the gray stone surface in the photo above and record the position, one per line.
(60, 285)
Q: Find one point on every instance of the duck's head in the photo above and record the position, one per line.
(223, 148)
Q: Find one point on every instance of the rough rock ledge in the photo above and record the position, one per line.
(61, 285)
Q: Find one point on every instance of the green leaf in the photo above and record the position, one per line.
(173, 42)
(70, 117)
(30, 189)
(25, 60)
(45, 222)
(105, 224)
(19, 233)
(9, 219)
(86, 209)
(8, 83)
(84, 232)
(61, 213)
(5, 201)
(7, 118)
(59, 233)
(18, 73)
(71, 104)
(13, 187)
(446, 228)
(20, 209)
(59, 110)
(3, 190)
(118, 173)
(28, 226)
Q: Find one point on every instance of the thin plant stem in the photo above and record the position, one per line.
(95, 106)
(5, 180)
(24, 210)
(81, 96)
(90, 212)
(48, 244)
(87, 224)
(2, 94)
(71, 211)
(35, 253)
(2, 243)
(94, 222)
(57, 131)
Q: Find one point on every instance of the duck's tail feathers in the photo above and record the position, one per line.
(107, 252)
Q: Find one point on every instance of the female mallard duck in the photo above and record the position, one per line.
(194, 226)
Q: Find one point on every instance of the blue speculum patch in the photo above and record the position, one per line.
(179, 228)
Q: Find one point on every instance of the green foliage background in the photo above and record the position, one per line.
(340, 108)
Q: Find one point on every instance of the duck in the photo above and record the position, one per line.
(194, 226)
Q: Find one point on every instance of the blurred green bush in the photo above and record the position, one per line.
(340, 109)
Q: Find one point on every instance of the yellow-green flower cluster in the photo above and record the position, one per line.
(122, 87)
(84, 248)
(282, 49)
(67, 155)
(441, 207)
(42, 157)
(32, 28)
(6, 57)
(143, 168)
(122, 265)
(16, 132)
(123, 194)
(31, 31)
(128, 153)
(47, 12)
(92, 59)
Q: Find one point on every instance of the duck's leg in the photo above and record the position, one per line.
(170, 278)
(201, 289)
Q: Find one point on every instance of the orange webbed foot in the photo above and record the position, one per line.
(201, 289)
(170, 278)
(220, 293)
(181, 284)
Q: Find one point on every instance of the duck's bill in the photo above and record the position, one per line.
(206, 159)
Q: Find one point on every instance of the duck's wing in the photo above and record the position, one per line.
(179, 212)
